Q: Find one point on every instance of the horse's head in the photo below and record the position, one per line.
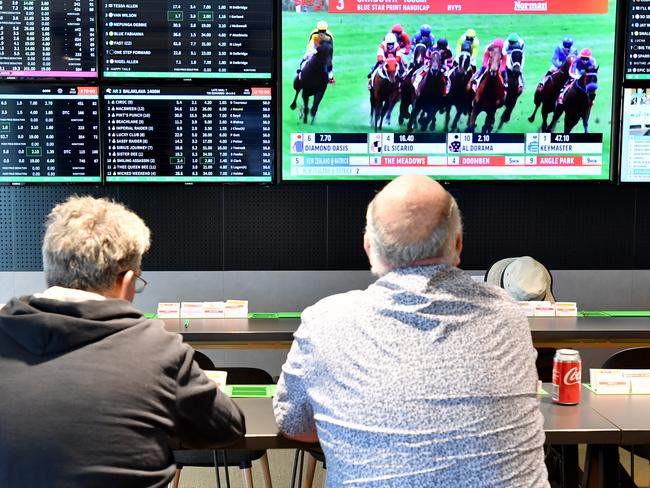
(567, 64)
(464, 61)
(391, 68)
(516, 56)
(590, 83)
(324, 51)
(434, 62)
(494, 62)
(419, 54)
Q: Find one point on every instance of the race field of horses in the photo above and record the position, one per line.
(345, 106)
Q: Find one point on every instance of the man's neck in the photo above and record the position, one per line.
(69, 294)
(428, 262)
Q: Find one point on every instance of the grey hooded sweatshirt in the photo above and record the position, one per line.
(91, 392)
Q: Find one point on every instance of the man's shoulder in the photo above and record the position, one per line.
(340, 304)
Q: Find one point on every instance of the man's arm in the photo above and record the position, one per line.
(291, 404)
(311, 436)
(205, 415)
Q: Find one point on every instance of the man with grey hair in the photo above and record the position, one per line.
(423, 379)
(92, 391)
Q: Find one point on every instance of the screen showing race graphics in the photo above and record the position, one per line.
(44, 38)
(188, 134)
(188, 39)
(635, 135)
(49, 134)
(354, 106)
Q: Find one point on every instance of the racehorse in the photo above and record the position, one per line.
(576, 102)
(514, 90)
(490, 94)
(429, 95)
(547, 92)
(384, 93)
(458, 95)
(407, 93)
(312, 80)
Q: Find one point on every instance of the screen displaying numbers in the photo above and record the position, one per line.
(188, 39)
(43, 38)
(49, 134)
(188, 134)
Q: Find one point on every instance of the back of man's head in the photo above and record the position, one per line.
(88, 242)
(412, 221)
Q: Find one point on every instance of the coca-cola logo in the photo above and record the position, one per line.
(572, 376)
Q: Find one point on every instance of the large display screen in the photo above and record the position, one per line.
(637, 54)
(49, 134)
(48, 38)
(188, 134)
(188, 39)
(635, 135)
(544, 126)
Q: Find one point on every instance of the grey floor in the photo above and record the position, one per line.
(281, 463)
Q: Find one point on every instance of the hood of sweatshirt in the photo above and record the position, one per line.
(43, 326)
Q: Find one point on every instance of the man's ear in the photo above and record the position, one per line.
(459, 247)
(366, 245)
(125, 286)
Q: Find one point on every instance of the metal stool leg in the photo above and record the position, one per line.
(299, 458)
(225, 466)
(216, 468)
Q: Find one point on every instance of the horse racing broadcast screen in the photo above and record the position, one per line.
(469, 90)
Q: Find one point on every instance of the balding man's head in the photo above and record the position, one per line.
(412, 221)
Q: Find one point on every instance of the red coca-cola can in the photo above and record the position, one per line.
(567, 371)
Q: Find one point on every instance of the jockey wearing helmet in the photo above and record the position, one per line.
(318, 35)
(446, 57)
(423, 36)
(403, 38)
(496, 44)
(388, 47)
(562, 51)
(515, 42)
(468, 42)
(583, 64)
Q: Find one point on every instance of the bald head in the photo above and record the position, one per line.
(413, 221)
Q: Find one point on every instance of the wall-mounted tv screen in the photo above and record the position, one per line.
(48, 38)
(188, 39)
(188, 134)
(637, 37)
(635, 136)
(464, 90)
(49, 134)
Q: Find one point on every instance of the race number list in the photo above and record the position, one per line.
(637, 54)
(188, 134)
(188, 39)
(47, 38)
(49, 134)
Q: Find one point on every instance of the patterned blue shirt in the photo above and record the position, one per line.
(424, 379)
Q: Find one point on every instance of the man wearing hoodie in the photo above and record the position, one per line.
(91, 389)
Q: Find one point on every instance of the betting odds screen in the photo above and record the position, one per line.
(48, 38)
(637, 54)
(49, 134)
(188, 134)
(188, 39)
(342, 133)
